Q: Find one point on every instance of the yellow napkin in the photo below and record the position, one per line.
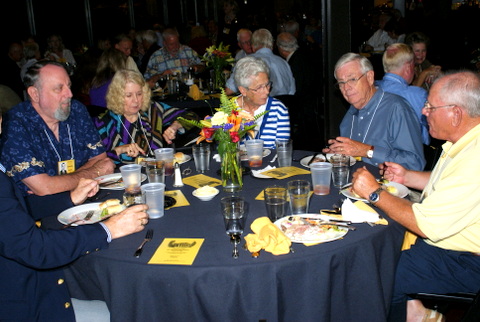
(267, 236)
(194, 92)
(408, 240)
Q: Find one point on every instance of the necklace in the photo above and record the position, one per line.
(55, 149)
(370, 123)
(143, 131)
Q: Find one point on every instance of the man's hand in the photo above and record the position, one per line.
(393, 172)
(86, 188)
(103, 166)
(346, 146)
(364, 183)
(129, 221)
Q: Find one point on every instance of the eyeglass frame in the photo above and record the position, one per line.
(352, 81)
(430, 109)
(261, 87)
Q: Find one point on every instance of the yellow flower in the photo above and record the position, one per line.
(219, 118)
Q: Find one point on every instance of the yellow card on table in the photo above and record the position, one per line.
(285, 172)
(201, 180)
(179, 197)
(177, 251)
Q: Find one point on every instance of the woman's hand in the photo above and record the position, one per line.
(132, 150)
(170, 133)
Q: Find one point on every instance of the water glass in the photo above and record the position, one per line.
(254, 152)
(234, 211)
(340, 169)
(201, 155)
(276, 201)
(284, 149)
(153, 194)
(321, 174)
(299, 193)
(156, 175)
(165, 155)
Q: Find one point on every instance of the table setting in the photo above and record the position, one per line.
(199, 245)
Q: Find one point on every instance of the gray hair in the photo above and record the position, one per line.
(287, 42)
(169, 32)
(30, 50)
(365, 64)
(396, 56)
(149, 36)
(32, 76)
(462, 89)
(292, 27)
(246, 68)
(262, 38)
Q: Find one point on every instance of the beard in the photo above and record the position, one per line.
(62, 114)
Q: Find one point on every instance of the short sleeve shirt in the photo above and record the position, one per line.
(29, 147)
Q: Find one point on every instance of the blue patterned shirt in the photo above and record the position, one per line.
(415, 96)
(389, 124)
(27, 145)
(162, 60)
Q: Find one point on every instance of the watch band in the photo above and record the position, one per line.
(370, 152)
(374, 197)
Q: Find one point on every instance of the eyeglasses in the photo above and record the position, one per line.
(261, 87)
(350, 82)
(429, 108)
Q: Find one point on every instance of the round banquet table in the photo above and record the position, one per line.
(349, 279)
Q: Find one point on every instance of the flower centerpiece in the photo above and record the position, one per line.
(218, 58)
(227, 127)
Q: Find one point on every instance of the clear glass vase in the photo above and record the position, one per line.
(231, 168)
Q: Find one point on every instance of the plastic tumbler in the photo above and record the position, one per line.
(321, 174)
(166, 155)
(153, 195)
(254, 152)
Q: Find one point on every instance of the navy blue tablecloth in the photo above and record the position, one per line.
(350, 279)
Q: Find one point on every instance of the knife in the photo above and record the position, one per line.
(313, 158)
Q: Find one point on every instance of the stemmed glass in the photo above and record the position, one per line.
(234, 211)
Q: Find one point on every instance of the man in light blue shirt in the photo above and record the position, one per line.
(399, 66)
(378, 126)
(281, 75)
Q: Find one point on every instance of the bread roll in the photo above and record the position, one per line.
(179, 156)
(109, 202)
(112, 210)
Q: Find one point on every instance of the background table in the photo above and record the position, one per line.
(349, 279)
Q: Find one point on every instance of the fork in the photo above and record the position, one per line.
(148, 237)
(86, 218)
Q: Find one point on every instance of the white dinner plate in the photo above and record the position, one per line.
(114, 177)
(79, 212)
(401, 192)
(304, 161)
(244, 156)
(352, 159)
(331, 235)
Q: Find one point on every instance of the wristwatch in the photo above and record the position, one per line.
(370, 152)
(374, 197)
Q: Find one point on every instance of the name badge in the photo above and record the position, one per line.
(66, 166)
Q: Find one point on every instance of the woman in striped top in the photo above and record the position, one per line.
(252, 79)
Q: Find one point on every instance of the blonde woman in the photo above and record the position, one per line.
(134, 125)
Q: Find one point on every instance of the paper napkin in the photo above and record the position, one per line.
(358, 213)
(267, 236)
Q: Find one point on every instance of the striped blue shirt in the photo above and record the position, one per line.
(274, 125)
